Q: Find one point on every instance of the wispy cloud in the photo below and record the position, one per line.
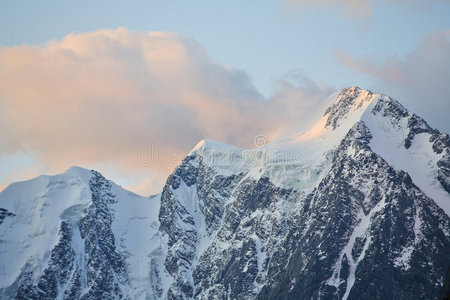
(420, 79)
(354, 8)
(105, 97)
(359, 9)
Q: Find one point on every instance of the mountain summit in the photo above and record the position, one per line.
(357, 207)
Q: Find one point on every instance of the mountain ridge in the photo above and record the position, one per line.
(310, 216)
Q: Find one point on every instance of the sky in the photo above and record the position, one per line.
(129, 87)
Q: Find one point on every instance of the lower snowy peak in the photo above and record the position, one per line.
(36, 209)
(76, 235)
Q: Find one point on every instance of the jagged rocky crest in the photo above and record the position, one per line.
(356, 208)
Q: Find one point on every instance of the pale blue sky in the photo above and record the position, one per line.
(269, 40)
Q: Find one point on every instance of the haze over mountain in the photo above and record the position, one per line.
(357, 207)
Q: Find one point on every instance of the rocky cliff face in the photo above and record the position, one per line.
(356, 208)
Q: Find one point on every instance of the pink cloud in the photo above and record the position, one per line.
(420, 80)
(387, 70)
(103, 97)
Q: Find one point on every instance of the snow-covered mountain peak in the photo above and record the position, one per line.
(395, 133)
(350, 101)
(352, 105)
(347, 109)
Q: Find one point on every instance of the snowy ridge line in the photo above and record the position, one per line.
(307, 216)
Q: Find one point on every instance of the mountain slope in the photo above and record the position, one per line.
(358, 207)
